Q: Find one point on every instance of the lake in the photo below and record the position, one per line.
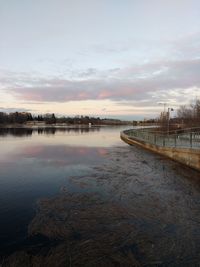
(68, 187)
(36, 163)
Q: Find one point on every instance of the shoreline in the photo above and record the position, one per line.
(35, 126)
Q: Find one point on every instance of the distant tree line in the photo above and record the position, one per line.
(15, 117)
(146, 121)
(26, 117)
(187, 116)
(190, 115)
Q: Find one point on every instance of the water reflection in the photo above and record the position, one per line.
(146, 213)
(55, 155)
(12, 140)
(16, 131)
(143, 208)
(22, 132)
(39, 166)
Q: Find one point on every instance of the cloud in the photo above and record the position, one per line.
(138, 82)
(187, 46)
(171, 80)
(9, 110)
(106, 49)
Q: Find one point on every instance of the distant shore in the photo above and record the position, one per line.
(60, 125)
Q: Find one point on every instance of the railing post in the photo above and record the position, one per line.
(190, 139)
(163, 141)
(183, 138)
(175, 140)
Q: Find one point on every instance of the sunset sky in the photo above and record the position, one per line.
(108, 58)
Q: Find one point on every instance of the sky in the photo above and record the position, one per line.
(108, 58)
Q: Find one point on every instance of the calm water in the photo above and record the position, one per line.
(38, 163)
(76, 189)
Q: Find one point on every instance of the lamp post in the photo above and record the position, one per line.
(168, 119)
(164, 105)
(162, 114)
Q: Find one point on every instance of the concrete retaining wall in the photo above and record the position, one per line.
(187, 156)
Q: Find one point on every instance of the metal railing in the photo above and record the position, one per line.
(183, 138)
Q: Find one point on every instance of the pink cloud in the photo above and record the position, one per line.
(138, 82)
(104, 94)
(32, 96)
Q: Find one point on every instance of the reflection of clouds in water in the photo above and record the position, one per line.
(59, 155)
(31, 151)
(102, 151)
(136, 202)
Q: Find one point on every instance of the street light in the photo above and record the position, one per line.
(164, 105)
(163, 114)
(168, 118)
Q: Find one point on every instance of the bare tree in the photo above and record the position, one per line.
(190, 115)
